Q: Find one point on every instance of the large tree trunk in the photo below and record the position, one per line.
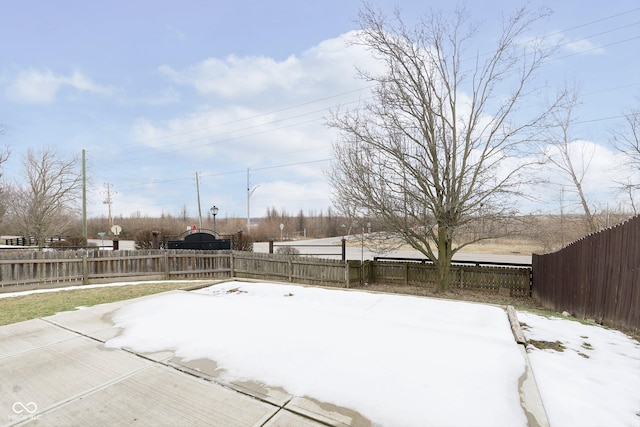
(443, 263)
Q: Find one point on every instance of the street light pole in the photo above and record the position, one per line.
(214, 212)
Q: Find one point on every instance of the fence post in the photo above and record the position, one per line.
(85, 269)
(406, 273)
(346, 271)
(165, 258)
(290, 264)
(271, 246)
(231, 267)
(344, 249)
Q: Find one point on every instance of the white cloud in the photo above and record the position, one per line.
(583, 46)
(274, 111)
(564, 43)
(237, 76)
(331, 63)
(32, 86)
(290, 195)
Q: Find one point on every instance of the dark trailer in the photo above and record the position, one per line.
(200, 241)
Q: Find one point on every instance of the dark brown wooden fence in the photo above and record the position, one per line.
(597, 277)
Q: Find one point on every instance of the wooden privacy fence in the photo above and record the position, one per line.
(597, 277)
(309, 270)
(33, 269)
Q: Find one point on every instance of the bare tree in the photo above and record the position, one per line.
(626, 140)
(439, 148)
(570, 156)
(44, 204)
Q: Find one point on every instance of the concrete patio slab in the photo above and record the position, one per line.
(58, 372)
(288, 419)
(160, 396)
(25, 336)
(209, 369)
(326, 413)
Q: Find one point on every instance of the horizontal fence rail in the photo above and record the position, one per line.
(23, 270)
(477, 263)
(308, 270)
(597, 277)
(510, 279)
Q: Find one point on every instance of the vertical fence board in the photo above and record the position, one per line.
(596, 277)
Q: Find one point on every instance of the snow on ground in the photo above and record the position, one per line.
(398, 360)
(593, 381)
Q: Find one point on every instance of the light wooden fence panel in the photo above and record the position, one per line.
(26, 270)
(515, 280)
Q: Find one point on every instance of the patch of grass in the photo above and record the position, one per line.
(553, 345)
(470, 295)
(20, 308)
(587, 346)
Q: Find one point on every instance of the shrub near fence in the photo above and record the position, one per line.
(597, 277)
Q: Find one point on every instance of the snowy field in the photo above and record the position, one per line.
(398, 360)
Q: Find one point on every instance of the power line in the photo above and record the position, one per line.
(190, 147)
(235, 172)
(297, 106)
(253, 117)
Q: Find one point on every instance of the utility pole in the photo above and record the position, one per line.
(199, 210)
(84, 195)
(108, 202)
(249, 194)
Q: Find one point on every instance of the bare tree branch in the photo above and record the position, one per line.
(568, 155)
(44, 205)
(626, 139)
(428, 156)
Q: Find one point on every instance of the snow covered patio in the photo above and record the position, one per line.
(242, 353)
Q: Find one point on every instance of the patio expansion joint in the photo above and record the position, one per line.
(87, 392)
(66, 328)
(45, 345)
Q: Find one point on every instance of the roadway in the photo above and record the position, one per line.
(355, 251)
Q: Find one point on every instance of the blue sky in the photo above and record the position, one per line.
(156, 91)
